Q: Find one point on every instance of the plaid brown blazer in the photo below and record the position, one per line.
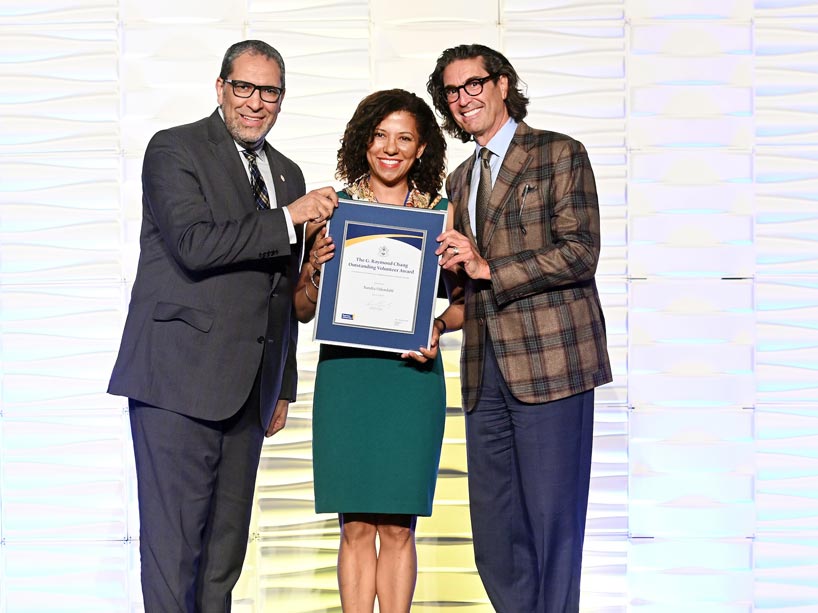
(541, 307)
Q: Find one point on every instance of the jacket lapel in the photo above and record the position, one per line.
(281, 192)
(277, 172)
(224, 149)
(516, 162)
(463, 188)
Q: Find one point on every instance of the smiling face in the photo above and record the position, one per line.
(394, 148)
(250, 119)
(482, 115)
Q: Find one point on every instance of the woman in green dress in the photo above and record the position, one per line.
(377, 416)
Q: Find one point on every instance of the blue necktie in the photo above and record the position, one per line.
(257, 181)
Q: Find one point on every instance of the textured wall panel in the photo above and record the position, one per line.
(691, 473)
(700, 120)
(786, 573)
(462, 12)
(58, 345)
(536, 10)
(610, 172)
(608, 498)
(327, 75)
(787, 217)
(787, 352)
(786, 89)
(690, 9)
(691, 344)
(787, 458)
(68, 467)
(679, 576)
(287, 12)
(168, 75)
(62, 89)
(90, 577)
(58, 12)
(182, 12)
(673, 229)
(766, 9)
(59, 218)
(575, 78)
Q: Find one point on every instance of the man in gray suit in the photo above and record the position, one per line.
(207, 358)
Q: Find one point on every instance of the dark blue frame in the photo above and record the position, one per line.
(432, 223)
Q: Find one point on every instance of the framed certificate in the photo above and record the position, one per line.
(379, 289)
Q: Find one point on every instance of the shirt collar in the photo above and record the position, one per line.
(501, 141)
(259, 152)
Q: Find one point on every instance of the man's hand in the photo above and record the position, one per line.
(315, 206)
(279, 417)
(456, 249)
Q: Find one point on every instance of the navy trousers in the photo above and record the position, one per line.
(529, 473)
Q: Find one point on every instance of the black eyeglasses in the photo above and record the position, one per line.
(473, 87)
(244, 89)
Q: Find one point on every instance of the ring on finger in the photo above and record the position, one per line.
(456, 250)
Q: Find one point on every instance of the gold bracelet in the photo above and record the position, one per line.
(312, 277)
(307, 294)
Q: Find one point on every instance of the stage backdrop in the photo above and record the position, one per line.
(701, 118)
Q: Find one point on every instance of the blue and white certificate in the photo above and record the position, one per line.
(379, 290)
(379, 277)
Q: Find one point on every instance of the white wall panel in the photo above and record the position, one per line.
(90, 577)
(459, 13)
(786, 573)
(61, 92)
(165, 78)
(690, 9)
(766, 9)
(552, 10)
(68, 467)
(328, 73)
(678, 576)
(58, 12)
(701, 121)
(575, 77)
(787, 352)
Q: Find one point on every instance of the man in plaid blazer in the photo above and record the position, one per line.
(534, 345)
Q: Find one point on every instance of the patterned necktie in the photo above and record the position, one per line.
(257, 181)
(483, 194)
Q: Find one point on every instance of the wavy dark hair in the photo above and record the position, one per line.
(256, 47)
(427, 173)
(495, 63)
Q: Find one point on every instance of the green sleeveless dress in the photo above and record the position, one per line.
(377, 431)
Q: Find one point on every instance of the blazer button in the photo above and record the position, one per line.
(260, 339)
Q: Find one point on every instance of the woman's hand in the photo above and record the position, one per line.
(423, 355)
(323, 249)
(305, 296)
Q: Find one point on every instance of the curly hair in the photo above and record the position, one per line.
(427, 173)
(254, 47)
(495, 63)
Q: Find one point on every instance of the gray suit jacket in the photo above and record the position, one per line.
(212, 298)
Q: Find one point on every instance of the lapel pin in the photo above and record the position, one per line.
(282, 177)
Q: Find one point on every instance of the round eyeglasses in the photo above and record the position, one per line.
(473, 87)
(245, 89)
